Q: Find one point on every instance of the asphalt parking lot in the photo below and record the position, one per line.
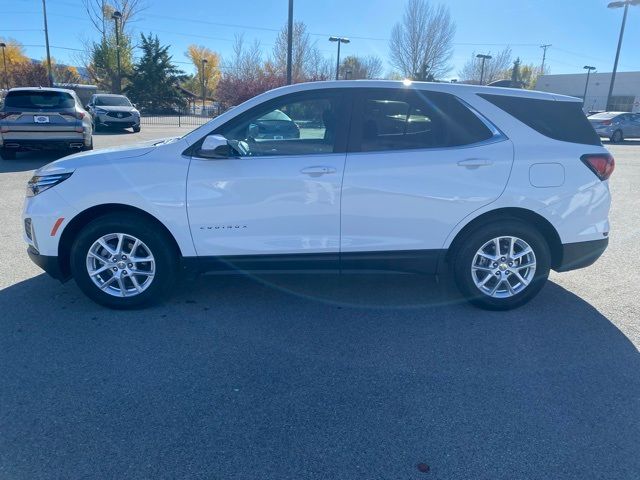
(322, 377)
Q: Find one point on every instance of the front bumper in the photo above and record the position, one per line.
(49, 264)
(109, 121)
(581, 254)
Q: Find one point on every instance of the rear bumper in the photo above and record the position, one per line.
(581, 254)
(50, 144)
(49, 264)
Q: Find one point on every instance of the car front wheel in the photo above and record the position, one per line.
(502, 265)
(123, 261)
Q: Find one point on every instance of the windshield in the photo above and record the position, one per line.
(39, 100)
(112, 101)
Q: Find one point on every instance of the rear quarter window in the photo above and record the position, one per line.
(560, 120)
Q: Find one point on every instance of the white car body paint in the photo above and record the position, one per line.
(416, 199)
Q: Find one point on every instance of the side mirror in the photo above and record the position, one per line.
(134, 105)
(215, 146)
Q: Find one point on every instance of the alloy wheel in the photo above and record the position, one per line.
(121, 265)
(503, 267)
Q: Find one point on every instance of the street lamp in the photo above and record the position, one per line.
(117, 16)
(4, 61)
(204, 91)
(625, 4)
(339, 40)
(588, 68)
(483, 57)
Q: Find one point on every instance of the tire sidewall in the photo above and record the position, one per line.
(468, 247)
(147, 232)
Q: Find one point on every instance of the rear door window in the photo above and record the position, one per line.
(39, 100)
(391, 119)
(560, 120)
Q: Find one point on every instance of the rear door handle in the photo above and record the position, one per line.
(475, 162)
(316, 171)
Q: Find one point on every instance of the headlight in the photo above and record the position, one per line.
(100, 110)
(40, 183)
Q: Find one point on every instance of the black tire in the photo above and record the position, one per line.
(136, 129)
(7, 154)
(465, 251)
(617, 136)
(161, 247)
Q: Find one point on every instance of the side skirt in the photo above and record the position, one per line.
(403, 261)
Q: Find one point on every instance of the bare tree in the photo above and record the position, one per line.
(304, 52)
(495, 68)
(246, 61)
(421, 44)
(100, 11)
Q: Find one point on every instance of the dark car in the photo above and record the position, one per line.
(275, 125)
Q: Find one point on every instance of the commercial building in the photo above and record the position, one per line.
(626, 92)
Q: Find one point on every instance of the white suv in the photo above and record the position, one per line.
(496, 186)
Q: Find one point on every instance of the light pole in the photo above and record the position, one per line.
(483, 57)
(625, 4)
(46, 40)
(117, 16)
(588, 68)
(4, 61)
(204, 91)
(290, 44)
(339, 40)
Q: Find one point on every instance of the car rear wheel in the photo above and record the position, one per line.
(136, 129)
(502, 265)
(123, 261)
(617, 136)
(7, 154)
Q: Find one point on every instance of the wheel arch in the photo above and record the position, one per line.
(78, 222)
(541, 224)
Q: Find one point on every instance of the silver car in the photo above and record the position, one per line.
(616, 126)
(43, 119)
(115, 111)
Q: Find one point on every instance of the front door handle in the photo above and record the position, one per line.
(317, 171)
(475, 162)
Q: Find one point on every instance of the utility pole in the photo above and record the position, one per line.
(116, 17)
(290, 44)
(4, 61)
(483, 57)
(46, 40)
(544, 56)
(624, 4)
(588, 68)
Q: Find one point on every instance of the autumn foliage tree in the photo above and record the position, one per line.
(209, 71)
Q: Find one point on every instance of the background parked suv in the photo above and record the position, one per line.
(43, 118)
(115, 111)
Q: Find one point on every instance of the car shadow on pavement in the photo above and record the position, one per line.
(314, 377)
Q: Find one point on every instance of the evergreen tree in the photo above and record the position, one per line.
(153, 83)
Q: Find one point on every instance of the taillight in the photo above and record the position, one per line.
(602, 164)
(606, 122)
(78, 115)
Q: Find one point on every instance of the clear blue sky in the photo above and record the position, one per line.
(581, 31)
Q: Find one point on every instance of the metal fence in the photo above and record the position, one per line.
(177, 119)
